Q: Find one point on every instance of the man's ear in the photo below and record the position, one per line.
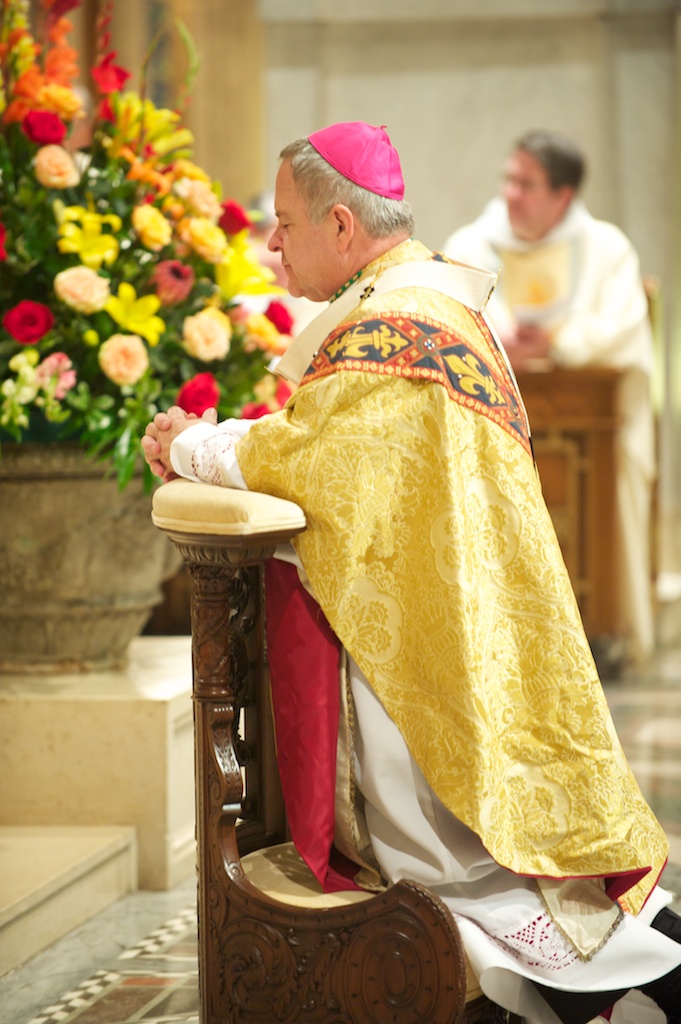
(566, 194)
(343, 223)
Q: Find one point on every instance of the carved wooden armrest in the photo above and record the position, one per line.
(225, 535)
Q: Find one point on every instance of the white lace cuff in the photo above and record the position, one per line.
(213, 458)
(207, 453)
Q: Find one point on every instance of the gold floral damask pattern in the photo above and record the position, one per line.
(433, 556)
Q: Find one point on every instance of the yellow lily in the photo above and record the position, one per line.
(158, 121)
(127, 112)
(179, 141)
(82, 232)
(240, 273)
(156, 125)
(136, 315)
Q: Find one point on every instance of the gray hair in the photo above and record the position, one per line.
(322, 187)
(561, 159)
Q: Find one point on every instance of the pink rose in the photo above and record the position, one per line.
(199, 393)
(57, 367)
(55, 168)
(123, 358)
(3, 235)
(82, 289)
(28, 321)
(43, 127)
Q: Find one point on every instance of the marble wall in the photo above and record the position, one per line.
(456, 81)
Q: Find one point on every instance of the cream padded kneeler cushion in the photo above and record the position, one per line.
(195, 508)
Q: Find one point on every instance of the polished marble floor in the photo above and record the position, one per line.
(136, 961)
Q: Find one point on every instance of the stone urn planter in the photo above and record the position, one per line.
(81, 563)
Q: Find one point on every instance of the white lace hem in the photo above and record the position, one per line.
(539, 944)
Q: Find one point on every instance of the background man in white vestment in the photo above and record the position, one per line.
(570, 291)
(484, 761)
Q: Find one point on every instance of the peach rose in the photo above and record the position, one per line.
(206, 239)
(123, 358)
(82, 288)
(151, 226)
(207, 335)
(55, 168)
(199, 198)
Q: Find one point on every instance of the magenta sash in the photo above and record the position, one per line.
(304, 659)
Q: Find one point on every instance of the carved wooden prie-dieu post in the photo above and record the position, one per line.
(392, 958)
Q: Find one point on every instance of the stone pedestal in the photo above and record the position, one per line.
(107, 748)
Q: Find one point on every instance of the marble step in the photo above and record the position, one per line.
(53, 878)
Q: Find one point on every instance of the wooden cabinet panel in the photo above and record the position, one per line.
(573, 416)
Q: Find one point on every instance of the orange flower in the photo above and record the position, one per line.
(29, 83)
(140, 171)
(172, 208)
(61, 59)
(26, 92)
(17, 111)
(184, 168)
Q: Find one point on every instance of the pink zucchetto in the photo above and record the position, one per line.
(363, 154)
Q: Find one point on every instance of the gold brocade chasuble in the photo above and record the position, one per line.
(432, 554)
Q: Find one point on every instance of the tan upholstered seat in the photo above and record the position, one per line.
(282, 874)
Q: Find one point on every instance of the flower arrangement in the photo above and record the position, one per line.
(123, 272)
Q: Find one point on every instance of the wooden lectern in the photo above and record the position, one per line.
(574, 418)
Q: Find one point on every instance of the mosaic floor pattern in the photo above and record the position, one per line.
(155, 981)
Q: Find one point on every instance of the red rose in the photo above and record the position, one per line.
(43, 127)
(199, 393)
(3, 235)
(278, 314)
(275, 397)
(28, 321)
(234, 218)
(255, 411)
